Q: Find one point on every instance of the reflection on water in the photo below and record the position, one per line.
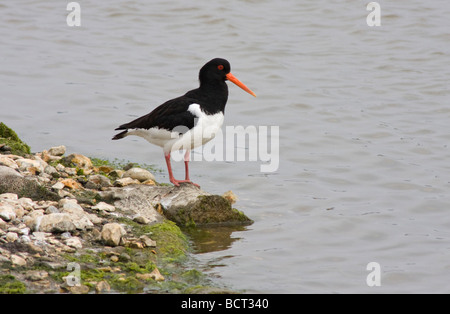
(212, 239)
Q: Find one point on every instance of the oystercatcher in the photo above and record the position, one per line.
(189, 121)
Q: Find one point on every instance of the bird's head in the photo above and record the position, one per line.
(219, 70)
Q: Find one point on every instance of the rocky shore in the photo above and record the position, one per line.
(72, 224)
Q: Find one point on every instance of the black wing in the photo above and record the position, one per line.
(171, 114)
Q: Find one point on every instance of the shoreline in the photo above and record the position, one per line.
(71, 225)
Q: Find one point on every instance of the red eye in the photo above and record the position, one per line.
(220, 67)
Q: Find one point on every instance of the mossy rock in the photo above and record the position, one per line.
(207, 210)
(13, 182)
(10, 285)
(9, 138)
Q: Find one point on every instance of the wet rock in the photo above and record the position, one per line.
(112, 234)
(187, 205)
(139, 174)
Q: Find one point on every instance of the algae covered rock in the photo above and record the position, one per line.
(10, 140)
(186, 205)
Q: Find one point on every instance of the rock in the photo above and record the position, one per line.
(12, 237)
(58, 186)
(147, 241)
(52, 210)
(26, 203)
(16, 260)
(74, 242)
(79, 289)
(9, 162)
(76, 213)
(7, 212)
(57, 150)
(50, 170)
(31, 165)
(97, 182)
(9, 196)
(116, 174)
(142, 220)
(55, 223)
(156, 275)
(112, 233)
(77, 160)
(105, 169)
(126, 181)
(13, 182)
(36, 275)
(71, 184)
(102, 286)
(102, 206)
(230, 196)
(139, 174)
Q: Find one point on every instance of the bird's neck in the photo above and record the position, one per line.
(214, 95)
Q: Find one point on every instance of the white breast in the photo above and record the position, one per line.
(204, 130)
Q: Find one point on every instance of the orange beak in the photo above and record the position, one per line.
(233, 79)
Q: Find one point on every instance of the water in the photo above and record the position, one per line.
(363, 115)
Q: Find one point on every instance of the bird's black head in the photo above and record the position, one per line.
(215, 70)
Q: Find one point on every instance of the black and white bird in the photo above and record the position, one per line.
(188, 121)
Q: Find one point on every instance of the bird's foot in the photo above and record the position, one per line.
(177, 182)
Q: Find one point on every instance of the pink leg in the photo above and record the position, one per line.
(169, 168)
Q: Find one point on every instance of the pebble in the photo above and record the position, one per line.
(125, 181)
(57, 150)
(102, 206)
(74, 242)
(139, 174)
(16, 260)
(112, 234)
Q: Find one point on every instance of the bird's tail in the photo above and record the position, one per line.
(120, 135)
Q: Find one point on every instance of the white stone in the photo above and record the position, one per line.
(9, 196)
(12, 236)
(58, 186)
(126, 181)
(104, 206)
(139, 174)
(16, 260)
(74, 242)
(7, 212)
(9, 162)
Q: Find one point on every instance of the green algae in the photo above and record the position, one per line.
(10, 285)
(11, 139)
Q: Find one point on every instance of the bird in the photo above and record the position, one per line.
(188, 121)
